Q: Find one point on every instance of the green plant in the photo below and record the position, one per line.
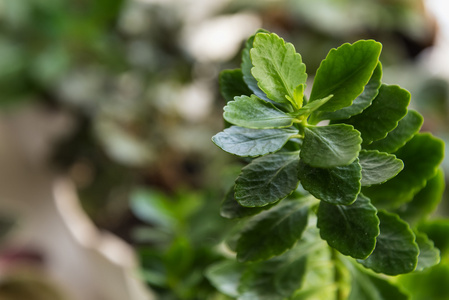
(336, 195)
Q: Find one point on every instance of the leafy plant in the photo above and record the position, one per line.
(338, 186)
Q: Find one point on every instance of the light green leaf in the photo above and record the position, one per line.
(375, 122)
(351, 229)
(428, 254)
(272, 232)
(225, 276)
(330, 146)
(421, 156)
(429, 284)
(396, 251)
(438, 231)
(368, 286)
(278, 69)
(344, 73)
(395, 139)
(231, 209)
(425, 201)
(252, 142)
(338, 185)
(255, 113)
(361, 102)
(312, 106)
(267, 179)
(378, 167)
(246, 67)
(232, 84)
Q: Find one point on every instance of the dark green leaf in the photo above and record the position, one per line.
(428, 254)
(344, 73)
(395, 139)
(247, 65)
(425, 201)
(383, 115)
(396, 251)
(232, 84)
(231, 209)
(255, 113)
(378, 167)
(421, 156)
(330, 146)
(258, 282)
(278, 68)
(339, 185)
(351, 229)
(225, 276)
(361, 102)
(430, 284)
(272, 232)
(267, 179)
(252, 142)
(289, 276)
(365, 286)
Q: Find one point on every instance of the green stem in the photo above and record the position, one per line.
(338, 275)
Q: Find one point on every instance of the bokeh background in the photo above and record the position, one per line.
(109, 184)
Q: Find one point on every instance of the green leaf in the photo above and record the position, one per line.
(425, 201)
(361, 102)
(383, 115)
(255, 113)
(312, 106)
(339, 185)
(289, 276)
(232, 84)
(351, 229)
(395, 139)
(378, 167)
(421, 156)
(429, 284)
(152, 207)
(231, 209)
(371, 287)
(225, 276)
(396, 251)
(344, 73)
(278, 69)
(247, 65)
(267, 179)
(330, 146)
(438, 231)
(428, 254)
(252, 142)
(272, 232)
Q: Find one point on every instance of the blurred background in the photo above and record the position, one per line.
(109, 184)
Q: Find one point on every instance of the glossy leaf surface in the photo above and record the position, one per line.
(378, 167)
(267, 179)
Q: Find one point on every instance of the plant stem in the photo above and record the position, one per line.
(338, 276)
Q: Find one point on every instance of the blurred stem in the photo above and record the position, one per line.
(338, 276)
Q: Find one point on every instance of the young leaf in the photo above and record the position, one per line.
(252, 142)
(396, 251)
(371, 287)
(231, 209)
(225, 276)
(312, 106)
(278, 69)
(272, 232)
(330, 146)
(425, 201)
(421, 156)
(361, 102)
(255, 113)
(267, 179)
(247, 65)
(351, 229)
(232, 84)
(428, 254)
(378, 167)
(391, 104)
(398, 137)
(344, 73)
(338, 185)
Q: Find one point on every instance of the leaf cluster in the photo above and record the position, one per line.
(346, 165)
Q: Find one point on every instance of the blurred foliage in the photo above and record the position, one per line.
(144, 107)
